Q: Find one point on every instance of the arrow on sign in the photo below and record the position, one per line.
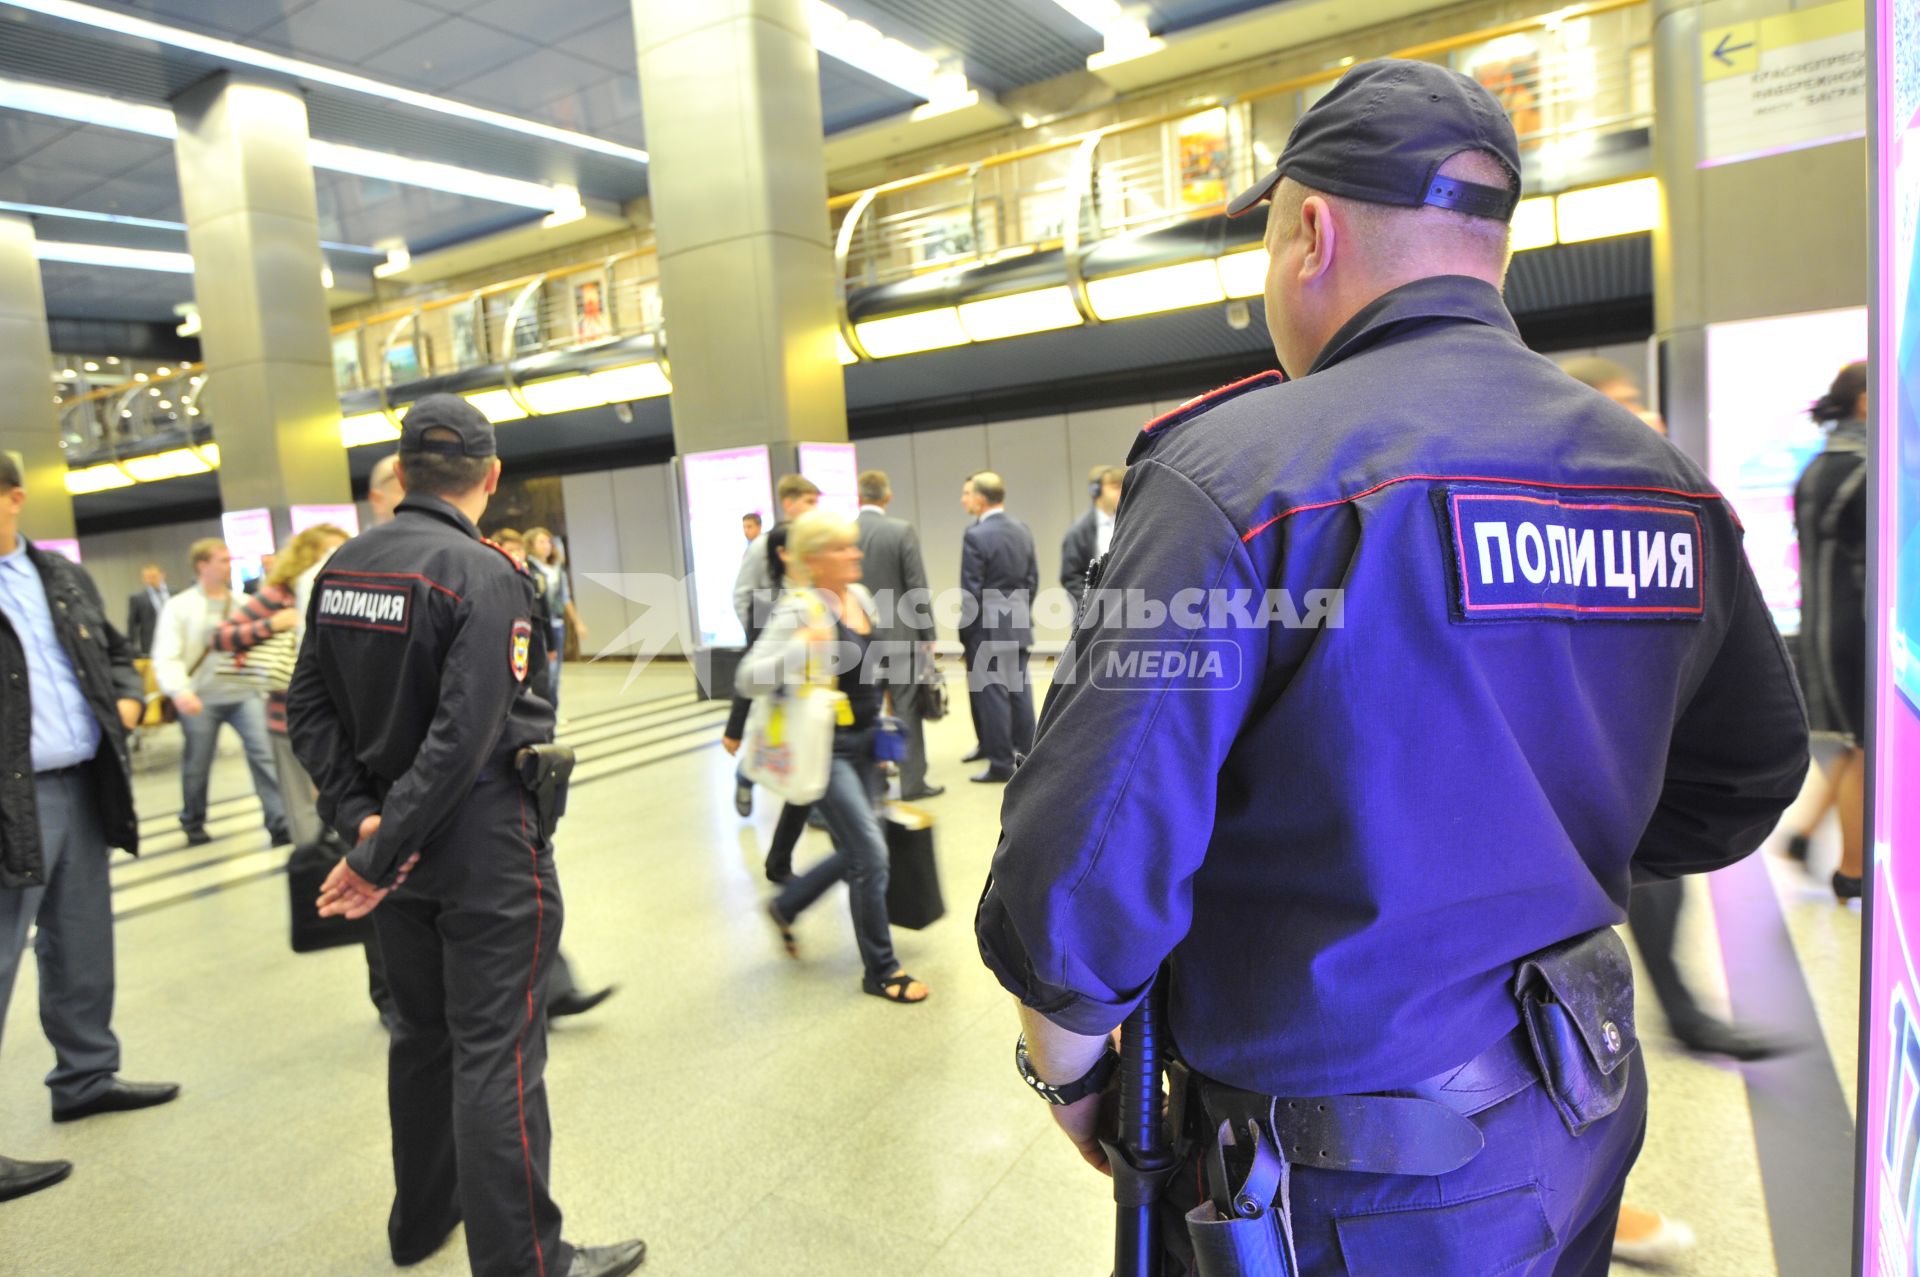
(1722, 49)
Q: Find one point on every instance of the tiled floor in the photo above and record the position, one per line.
(746, 1114)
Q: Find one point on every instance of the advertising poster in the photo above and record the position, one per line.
(721, 488)
(1762, 376)
(1202, 147)
(346, 361)
(835, 469)
(589, 312)
(466, 335)
(1510, 69)
(1890, 1050)
(403, 364)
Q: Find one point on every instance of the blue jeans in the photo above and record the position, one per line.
(556, 658)
(859, 856)
(249, 718)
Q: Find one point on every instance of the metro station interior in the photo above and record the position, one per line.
(673, 250)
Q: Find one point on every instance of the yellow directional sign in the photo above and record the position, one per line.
(1792, 80)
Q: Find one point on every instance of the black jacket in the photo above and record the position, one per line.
(1078, 549)
(414, 676)
(142, 618)
(999, 572)
(100, 658)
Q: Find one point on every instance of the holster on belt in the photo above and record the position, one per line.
(544, 771)
(1576, 1001)
(1244, 1228)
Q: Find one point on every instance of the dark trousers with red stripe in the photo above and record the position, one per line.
(469, 941)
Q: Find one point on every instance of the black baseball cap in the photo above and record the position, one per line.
(1381, 134)
(447, 412)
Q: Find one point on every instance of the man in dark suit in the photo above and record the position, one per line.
(143, 608)
(999, 574)
(892, 570)
(1089, 535)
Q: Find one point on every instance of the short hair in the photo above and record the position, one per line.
(9, 473)
(793, 486)
(202, 550)
(507, 536)
(989, 487)
(1594, 372)
(1110, 474)
(875, 487)
(442, 474)
(752, 514)
(385, 473)
(151, 564)
(813, 532)
(1398, 229)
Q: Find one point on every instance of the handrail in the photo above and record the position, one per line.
(487, 290)
(1290, 85)
(184, 370)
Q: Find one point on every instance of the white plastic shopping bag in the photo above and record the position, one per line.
(789, 745)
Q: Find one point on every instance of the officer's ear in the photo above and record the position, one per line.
(493, 476)
(1320, 232)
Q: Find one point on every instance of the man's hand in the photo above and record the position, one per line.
(730, 743)
(1083, 1123)
(188, 705)
(131, 712)
(345, 894)
(283, 620)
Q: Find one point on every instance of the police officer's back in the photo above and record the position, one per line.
(411, 710)
(1464, 647)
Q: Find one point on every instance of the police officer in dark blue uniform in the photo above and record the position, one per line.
(411, 710)
(1397, 675)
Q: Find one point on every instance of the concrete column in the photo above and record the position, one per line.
(1772, 236)
(30, 426)
(253, 227)
(731, 91)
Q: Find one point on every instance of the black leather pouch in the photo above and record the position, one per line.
(1576, 1000)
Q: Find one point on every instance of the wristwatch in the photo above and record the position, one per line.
(1093, 1082)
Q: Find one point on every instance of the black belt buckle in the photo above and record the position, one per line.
(544, 771)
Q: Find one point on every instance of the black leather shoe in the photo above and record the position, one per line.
(994, 776)
(1846, 887)
(17, 1179)
(121, 1097)
(607, 1261)
(1717, 1037)
(976, 755)
(919, 795)
(198, 837)
(281, 839)
(577, 1002)
(742, 798)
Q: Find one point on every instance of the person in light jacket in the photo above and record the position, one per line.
(819, 635)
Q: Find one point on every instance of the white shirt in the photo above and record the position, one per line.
(1102, 533)
(990, 513)
(183, 633)
(880, 510)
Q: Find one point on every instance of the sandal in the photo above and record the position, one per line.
(894, 988)
(788, 940)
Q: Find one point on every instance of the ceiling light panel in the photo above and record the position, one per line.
(367, 427)
(1018, 314)
(111, 255)
(1149, 292)
(635, 381)
(313, 73)
(497, 406)
(1244, 274)
(562, 394)
(911, 334)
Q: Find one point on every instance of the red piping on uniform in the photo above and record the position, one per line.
(1197, 400)
(397, 576)
(1475, 478)
(519, 1076)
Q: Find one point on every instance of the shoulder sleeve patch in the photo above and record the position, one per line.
(520, 648)
(1192, 408)
(1533, 554)
(364, 605)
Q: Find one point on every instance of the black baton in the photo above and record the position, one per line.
(1139, 1159)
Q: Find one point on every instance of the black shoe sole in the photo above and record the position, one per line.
(86, 1111)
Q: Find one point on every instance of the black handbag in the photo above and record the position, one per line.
(913, 880)
(307, 870)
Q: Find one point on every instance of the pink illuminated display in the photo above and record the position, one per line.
(1890, 1049)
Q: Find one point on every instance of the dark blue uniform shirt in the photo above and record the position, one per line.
(413, 678)
(1553, 670)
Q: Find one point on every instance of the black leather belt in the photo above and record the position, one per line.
(1422, 1129)
(72, 769)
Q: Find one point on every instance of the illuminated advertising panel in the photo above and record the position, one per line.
(1890, 1049)
(1762, 376)
(344, 517)
(836, 472)
(722, 488)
